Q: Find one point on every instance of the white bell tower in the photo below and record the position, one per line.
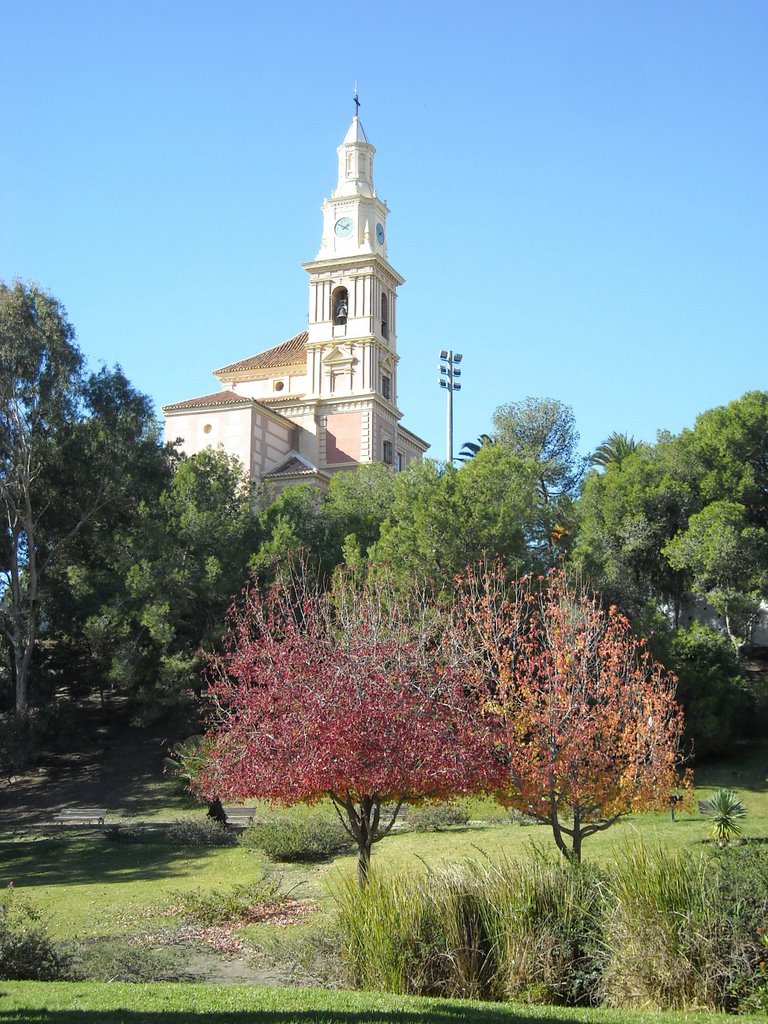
(352, 339)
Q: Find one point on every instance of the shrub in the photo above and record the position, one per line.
(307, 956)
(227, 906)
(182, 832)
(26, 951)
(738, 891)
(124, 959)
(434, 817)
(724, 810)
(661, 937)
(198, 832)
(288, 838)
(20, 737)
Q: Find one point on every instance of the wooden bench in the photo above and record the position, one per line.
(80, 816)
(240, 815)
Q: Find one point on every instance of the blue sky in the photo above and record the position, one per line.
(578, 190)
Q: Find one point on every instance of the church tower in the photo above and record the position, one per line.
(352, 340)
(325, 400)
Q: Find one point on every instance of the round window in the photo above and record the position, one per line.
(207, 428)
(279, 385)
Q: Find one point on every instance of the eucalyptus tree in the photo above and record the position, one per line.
(65, 439)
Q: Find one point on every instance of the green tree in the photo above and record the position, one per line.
(727, 559)
(181, 563)
(716, 699)
(358, 504)
(731, 443)
(627, 514)
(541, 432)
(67, 439)
(443, 518)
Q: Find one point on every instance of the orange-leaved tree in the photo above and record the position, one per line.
(589, 727)
(347, 694)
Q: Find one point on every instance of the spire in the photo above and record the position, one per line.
(355, 132)
(355, 159)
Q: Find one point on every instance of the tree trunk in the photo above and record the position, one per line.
(363, 863)
(576, 847)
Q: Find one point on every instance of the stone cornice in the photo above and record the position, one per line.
(361, 262)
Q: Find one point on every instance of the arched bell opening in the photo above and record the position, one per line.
(340, 305)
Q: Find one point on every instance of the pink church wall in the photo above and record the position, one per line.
(342, 438)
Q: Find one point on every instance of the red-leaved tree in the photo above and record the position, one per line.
(345, 694)
(589, 727)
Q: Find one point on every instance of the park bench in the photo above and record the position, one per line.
(240, 815)
(80, 816)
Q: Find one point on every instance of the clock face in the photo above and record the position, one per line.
(380, 233)
(344, 227)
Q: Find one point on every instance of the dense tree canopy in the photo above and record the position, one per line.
(71, 445)
(590, 730)
(344, 693)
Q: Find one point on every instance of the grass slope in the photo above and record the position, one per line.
(75, 1003)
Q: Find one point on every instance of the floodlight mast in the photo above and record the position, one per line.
(449, 371)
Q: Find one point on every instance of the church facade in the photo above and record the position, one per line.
(325, 400)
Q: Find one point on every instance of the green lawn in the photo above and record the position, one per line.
(89, 886)
(75, 1003)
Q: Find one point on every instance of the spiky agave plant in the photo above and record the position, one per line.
(724, 810)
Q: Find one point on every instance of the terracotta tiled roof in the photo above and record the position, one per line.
(290, 353)
(293, 467)
(217, 398)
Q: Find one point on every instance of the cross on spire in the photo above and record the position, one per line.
(356, 102)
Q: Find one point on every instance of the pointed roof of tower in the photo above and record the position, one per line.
(355, 132)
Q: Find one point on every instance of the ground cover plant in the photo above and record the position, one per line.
(287, 837)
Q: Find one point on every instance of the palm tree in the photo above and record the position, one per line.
(614, 449)
(470, 448)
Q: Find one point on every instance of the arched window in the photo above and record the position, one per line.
(340, 305)
(384, 315)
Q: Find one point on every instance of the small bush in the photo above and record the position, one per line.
(307, 956)
(285, 838)
(227, 906)
(26, 951)
(198, 832)
(182, 832)
(738, 891)
(20, 737)
(434, 817)
(724, 810)
(126, 960)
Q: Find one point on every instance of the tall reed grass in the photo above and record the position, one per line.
(653, 931)
(482, 930)
(660, 936)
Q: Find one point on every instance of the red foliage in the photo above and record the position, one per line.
(590, 726)
(342, 694)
